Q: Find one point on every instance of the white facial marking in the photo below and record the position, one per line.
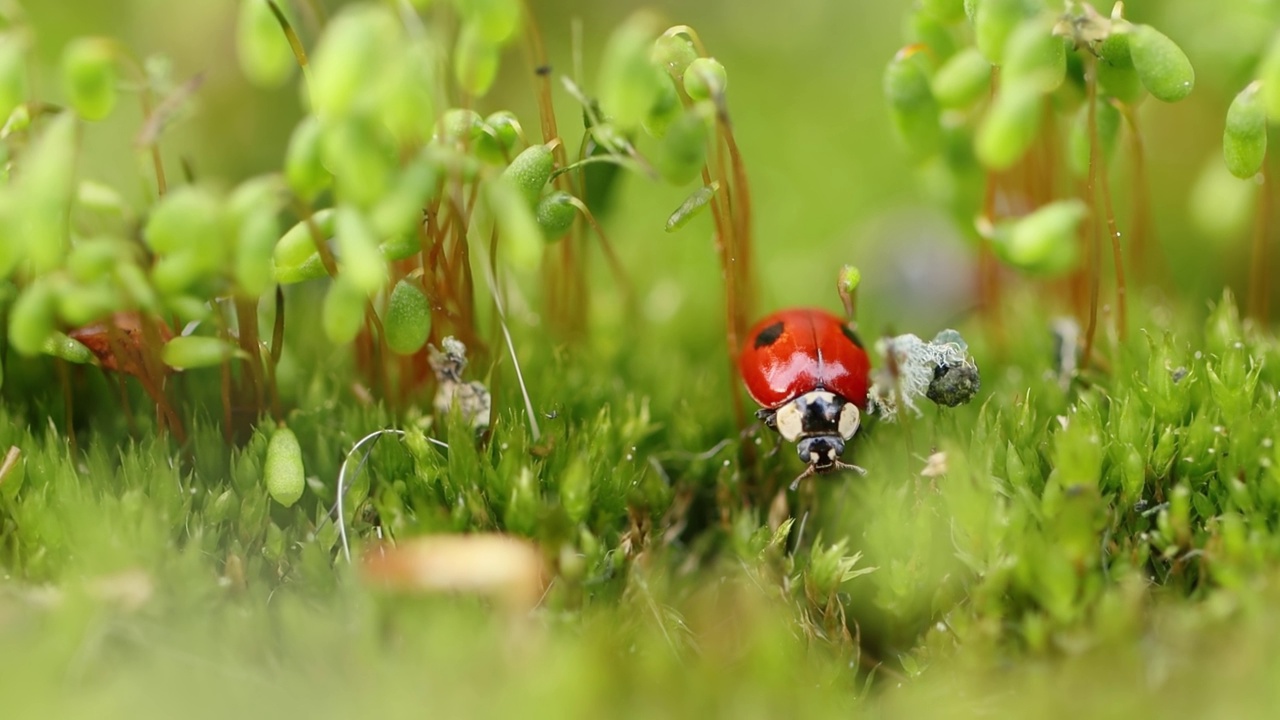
(789, 421)
(849, 420)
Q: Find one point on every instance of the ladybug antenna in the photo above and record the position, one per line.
(808, 472)
(835, 465)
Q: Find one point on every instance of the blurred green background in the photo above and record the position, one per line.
(829, 181)
(830, 186)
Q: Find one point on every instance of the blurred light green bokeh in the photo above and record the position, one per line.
(829, 182)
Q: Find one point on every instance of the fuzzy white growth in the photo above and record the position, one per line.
(907, 366)
(472, 398)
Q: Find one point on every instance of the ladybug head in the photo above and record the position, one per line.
(817, 413)
(819, 422)
(821, 451)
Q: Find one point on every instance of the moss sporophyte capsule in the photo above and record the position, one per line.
(1244, 139)
(283, 470)
(407, 321)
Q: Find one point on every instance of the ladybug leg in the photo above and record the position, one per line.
(847, 466)
(770, 417)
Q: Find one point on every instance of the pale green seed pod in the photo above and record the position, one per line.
(504, 126)
(962, 80)
(400, 247)
(692, 206)
(67, 348)
(102, 198)
(342, 313)
(136, 287)
(530, 171)
(13, 73)
(399, 213)
(362, 156)
(283, 470)
(475, 62)
(912, 106)
(926, 29)
(31, 318)
(1244, 139)
(946, 10)
(683, 150)
(303, 169)
(1035, 54)
(47, 185)
(1121, 83)
(705, 79)
(177, 273)
(556, 213)
(95, 258)
(188, 218)
(1162, 66)
(495, 20)
(1043, 242)
(407, 321)
(89, 77)
(458, 125)
(310, 269)
(186, 352)
(297, 245)
(673, 52)
(261, 46)
(352, 51)
(1114, 48)
(993, 22)
(1010, 125)
(255, 243)
(628, 81)
(409, 102)
(360, 258)
(82, 304)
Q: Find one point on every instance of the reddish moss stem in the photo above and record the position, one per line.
(1259, 270)
(1095, 249)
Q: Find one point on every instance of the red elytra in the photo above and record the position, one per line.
(792, 352)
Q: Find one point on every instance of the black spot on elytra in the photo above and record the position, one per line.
(769, 335)
(849, 333)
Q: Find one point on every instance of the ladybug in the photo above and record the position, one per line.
(810, 373)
